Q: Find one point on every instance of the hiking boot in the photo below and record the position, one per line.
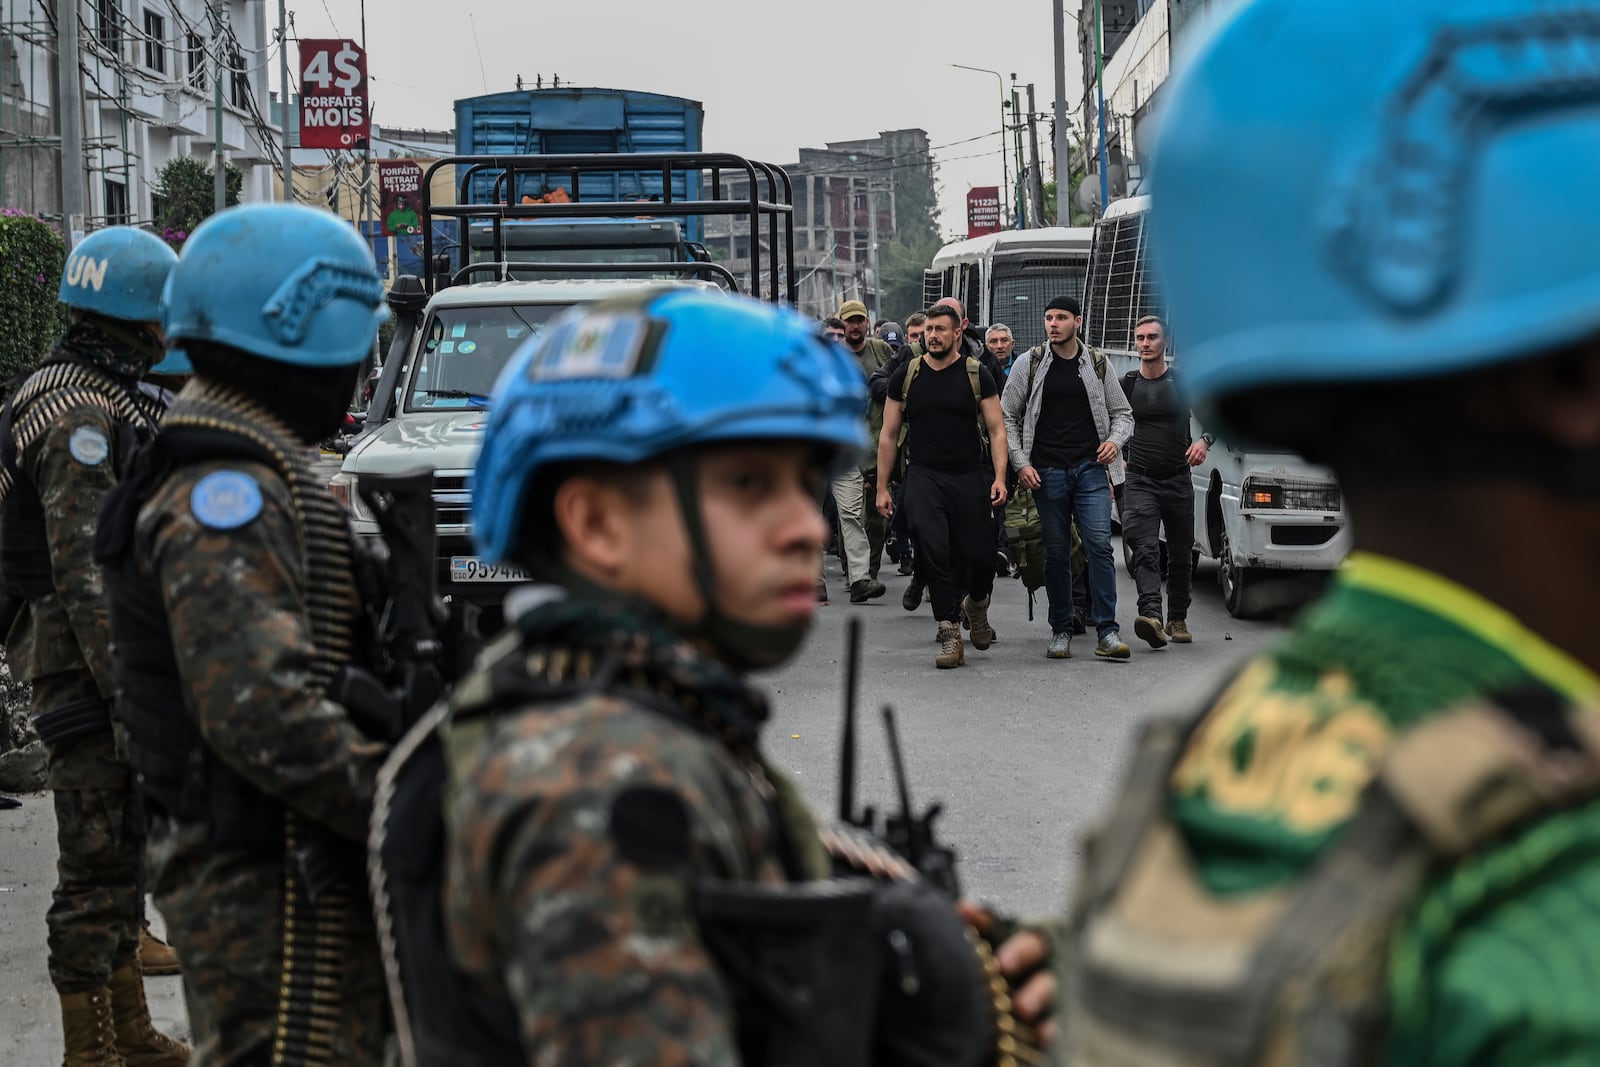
(911, 600)
(88, 1031)
(1002, 564)
(1149, 630)
(1111, 646)
(952, 650)
(138, 1041)
(1060, 646)
(1080, 624)
(1178, 630)
(822, 591)
(976, 614)
(865, 590)
(156, 958)
(905, 567)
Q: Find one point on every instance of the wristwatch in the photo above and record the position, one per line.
(1208, 439)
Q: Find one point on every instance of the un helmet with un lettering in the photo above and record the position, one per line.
(1373, 190)
(118, 273)
(632, 378)
(279, 281)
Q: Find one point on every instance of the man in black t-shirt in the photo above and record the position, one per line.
(950, 485)
(1158, 490)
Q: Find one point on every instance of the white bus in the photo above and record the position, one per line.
(1009, 276)
(1275, 524)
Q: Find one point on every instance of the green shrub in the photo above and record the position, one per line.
(31, 258)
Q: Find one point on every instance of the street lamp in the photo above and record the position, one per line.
(1005, 173)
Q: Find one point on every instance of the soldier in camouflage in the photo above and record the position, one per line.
(65, 431)
(234, 605)
(599, 779)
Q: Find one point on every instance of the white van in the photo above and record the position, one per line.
(1275, 524)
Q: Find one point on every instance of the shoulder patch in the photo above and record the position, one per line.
(89, 446)
(226, 500)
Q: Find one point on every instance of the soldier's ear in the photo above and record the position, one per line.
(591, 515)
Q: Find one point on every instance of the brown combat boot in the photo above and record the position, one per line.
(952, 650)
(1178, 630)
(156, 958)
(977, 613)
(138, 1041)
(91, 1038)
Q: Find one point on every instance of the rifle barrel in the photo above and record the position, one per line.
(847, 742)
(892, 733)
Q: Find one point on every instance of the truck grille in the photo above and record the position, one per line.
(452, 500)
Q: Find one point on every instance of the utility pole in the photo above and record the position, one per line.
(366, 164)
(1016, 139)
(1100, 96)
(1063, 161)
(1036, 176)
(218, 163)
(283, 80)
(69, 87)
(872, 248)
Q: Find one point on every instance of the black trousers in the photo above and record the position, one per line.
(1149, 504)
(951, 522)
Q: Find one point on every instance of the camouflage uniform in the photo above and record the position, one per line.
(577, 826)
(239, 603)
(60, 643)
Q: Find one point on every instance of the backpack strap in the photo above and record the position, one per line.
(974, 372)
(912, 368)
(1471, 775)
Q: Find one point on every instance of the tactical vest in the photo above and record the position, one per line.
(811, 931)
(45, 397)
(177, 773)
(1162, 973)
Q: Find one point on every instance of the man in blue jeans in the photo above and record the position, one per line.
(1067, 421)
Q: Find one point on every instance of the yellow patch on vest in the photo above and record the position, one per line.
(1299, 758)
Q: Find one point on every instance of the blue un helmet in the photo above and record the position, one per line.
(280, 281)
(118, 273)
(1375, 190)
(633, 378)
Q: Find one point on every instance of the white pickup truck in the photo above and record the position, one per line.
(438, 410)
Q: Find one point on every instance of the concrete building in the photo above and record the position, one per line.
(1139, 36)
(147, 70)
(840, 191)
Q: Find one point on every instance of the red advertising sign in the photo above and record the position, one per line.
(983, 210)
(334, 110)
(400, 197)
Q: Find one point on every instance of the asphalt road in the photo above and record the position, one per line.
(1022, 751)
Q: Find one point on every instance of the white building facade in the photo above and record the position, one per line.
(148, 71)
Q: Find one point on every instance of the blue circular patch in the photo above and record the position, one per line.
(226, 500)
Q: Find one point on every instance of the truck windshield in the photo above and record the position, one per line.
(464, 350)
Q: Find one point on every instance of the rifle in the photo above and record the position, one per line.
(421, 643)
(908, 834)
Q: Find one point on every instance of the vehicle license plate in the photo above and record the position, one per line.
(472, 569)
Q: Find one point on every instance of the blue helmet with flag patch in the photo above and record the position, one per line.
(118, 272)
(1370, 190)
(636, 377)
(280, 281)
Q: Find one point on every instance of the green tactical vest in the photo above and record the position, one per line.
(1159, 972)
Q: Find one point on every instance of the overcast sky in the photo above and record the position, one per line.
(770, 84)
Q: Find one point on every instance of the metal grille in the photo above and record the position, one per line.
(452, 500)
(1121, 288)
(1023, 285)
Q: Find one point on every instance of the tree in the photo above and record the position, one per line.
(901, 265)
(31, 259)
(187, 188)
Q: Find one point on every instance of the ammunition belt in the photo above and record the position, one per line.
(316, 933)
(55, 390)
(1017, 1044)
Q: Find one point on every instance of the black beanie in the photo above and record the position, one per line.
(1065, 303)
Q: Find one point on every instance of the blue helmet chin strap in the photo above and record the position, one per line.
(744, 646)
